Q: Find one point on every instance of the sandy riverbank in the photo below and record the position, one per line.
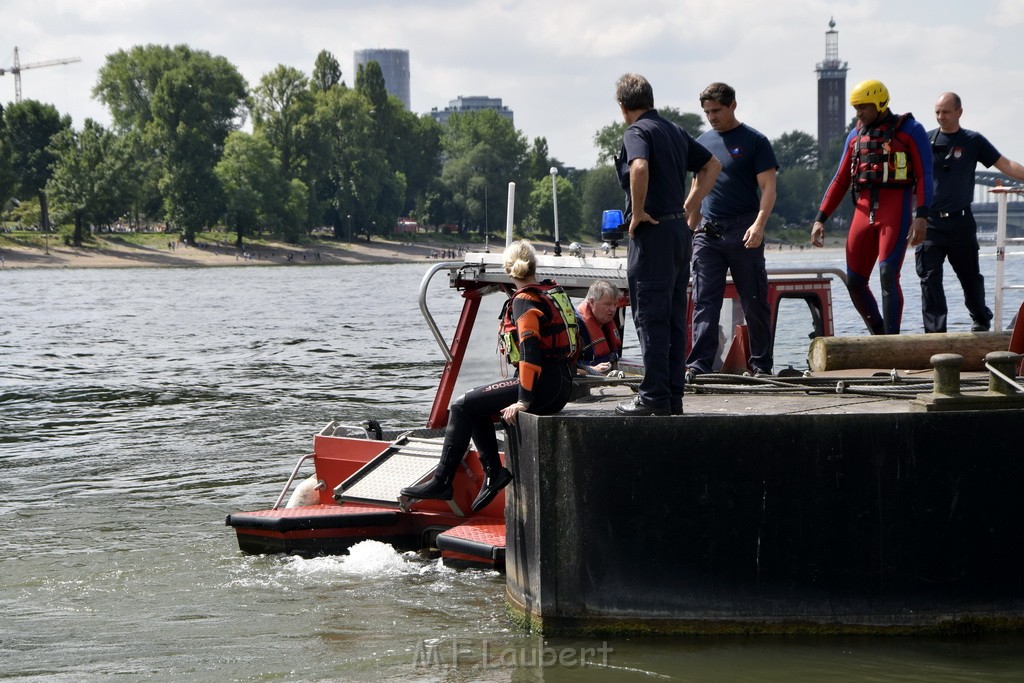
(114, 253)
(111, 252)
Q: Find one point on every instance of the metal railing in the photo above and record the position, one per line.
(1002, 195)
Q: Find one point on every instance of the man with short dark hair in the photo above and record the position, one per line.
(730, 235)
(656, 155)
(952, 231)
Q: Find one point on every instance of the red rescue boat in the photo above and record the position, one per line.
(353, 494)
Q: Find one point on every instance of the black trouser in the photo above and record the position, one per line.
(658, 272)
(473, 413)
(953, 237)
(714, 256)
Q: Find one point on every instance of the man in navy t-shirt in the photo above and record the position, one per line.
(952, 230)
(730, 234)
(652, 165)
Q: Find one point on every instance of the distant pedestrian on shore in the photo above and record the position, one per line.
(952, 231)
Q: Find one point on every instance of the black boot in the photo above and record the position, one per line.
(453, 450)
(438, 487)
(496, 480)
(497, 477)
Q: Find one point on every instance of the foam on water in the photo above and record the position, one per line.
(365, 560)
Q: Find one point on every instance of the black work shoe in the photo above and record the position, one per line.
(676, 410)
(981, 327)
(492, 485)
(435, 489)
(638, 407)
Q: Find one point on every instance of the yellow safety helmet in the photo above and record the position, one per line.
(870, 92)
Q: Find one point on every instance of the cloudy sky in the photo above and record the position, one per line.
(555, 62)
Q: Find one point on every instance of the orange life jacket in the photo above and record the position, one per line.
(559, 336)
(879, 158)
(602, 343)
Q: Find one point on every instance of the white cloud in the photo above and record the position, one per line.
(555, 62)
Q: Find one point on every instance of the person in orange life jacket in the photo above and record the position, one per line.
(545, 357)
(887, 165)
(600, 339)
(952, 230)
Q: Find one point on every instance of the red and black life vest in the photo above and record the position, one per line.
(879, 159)
(604, 342)
(559, 336)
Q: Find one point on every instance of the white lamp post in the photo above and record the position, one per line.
(554, 199)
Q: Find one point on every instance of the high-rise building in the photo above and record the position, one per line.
(466, 104)
(394, 64)
(832, 104)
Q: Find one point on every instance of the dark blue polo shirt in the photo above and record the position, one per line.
(670, 152)
(744, 152)
(954, 160)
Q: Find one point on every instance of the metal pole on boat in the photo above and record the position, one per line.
(1001, 199)
(554, 201)
(508, 217)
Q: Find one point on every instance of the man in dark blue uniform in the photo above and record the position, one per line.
(952, 231)
(652, 166)
(730, 235)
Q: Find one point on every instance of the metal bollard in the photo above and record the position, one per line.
(947, 373)
(1002, 366)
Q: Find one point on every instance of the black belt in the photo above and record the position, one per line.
(670, 217)
(951, 214)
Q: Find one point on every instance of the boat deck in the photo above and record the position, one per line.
(836, 392)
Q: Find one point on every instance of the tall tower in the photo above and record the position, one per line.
(394, 64)
(831, 93)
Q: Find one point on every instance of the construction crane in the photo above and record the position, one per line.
(19, 67)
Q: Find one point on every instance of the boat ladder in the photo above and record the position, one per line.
(406, 461)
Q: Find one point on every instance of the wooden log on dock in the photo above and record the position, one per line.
(903, 351)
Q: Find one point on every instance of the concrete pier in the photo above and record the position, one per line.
(812, 513)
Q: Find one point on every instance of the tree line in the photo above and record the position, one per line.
(320, 153)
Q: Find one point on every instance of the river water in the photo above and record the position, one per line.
(139, 406)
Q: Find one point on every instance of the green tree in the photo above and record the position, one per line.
(798, 193)
(342, 127)
(379, 158)
(88, 177)
(294, 216)
(326, 72)
(254, 193)
(799, 182)
(128, 80)
(143, 171)
(196, 104)
(538, 162)
(608, 140)
(184, 103)
(600, 192)
(483, 152)
(796, 149)
(541, 215)
(370, 84)
(30, 127)
(417, 153)
(282, 103)
(7, 178)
